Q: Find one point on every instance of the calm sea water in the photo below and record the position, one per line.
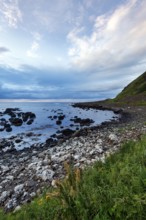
(43, 126)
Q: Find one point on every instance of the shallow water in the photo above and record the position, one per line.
(45, 126)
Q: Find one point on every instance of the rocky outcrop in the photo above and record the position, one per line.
(16, 118)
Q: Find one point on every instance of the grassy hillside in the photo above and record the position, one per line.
(115, 189)
(135, 92)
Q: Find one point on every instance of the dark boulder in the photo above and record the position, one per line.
(67, 132)
(61, 117)
(16, 121)
(50, 142)
(10, 110)
(8, 129)
(2, 121)
(30, 134)
(30, 122)
(82, 122)
(58, 122)
(17, 141)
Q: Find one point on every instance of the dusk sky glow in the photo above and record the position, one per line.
(69, 49)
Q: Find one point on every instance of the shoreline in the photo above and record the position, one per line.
(25, 173)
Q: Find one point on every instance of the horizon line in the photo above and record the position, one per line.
(47, 100)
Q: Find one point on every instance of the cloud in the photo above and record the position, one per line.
(60, 16)
(33, 51)
(117, 40)
(4, 50)
(11, 12)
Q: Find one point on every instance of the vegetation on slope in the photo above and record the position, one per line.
(115, 189)
(135, 92)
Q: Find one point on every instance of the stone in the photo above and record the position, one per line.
(4, 196)
(113, 137)
(16, 121)
(25, 194)
(61, 117)
(92, 152)
(11, 203)
(99, 149)
(19, 188)
(30, 122)
(58, 122)
(46, 161)
(17, 208)
(4, 168)
(76, 157)
(67, 132)
(8, 129)
(10, 177)
(47, 175)
(30, 183)
(33, 194)
(53, 183)
(77, 165)
(18, 141)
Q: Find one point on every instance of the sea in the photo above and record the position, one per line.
(44, 126)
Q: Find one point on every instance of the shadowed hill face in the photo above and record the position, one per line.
(135, 92)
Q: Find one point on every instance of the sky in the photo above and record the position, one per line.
(70, 49)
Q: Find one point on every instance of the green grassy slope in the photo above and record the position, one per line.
(135, 92)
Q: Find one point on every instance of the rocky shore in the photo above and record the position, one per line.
(24, 174)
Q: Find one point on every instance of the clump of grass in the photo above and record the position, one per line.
(115, 189)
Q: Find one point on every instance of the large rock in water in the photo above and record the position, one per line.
(16, 121)
(82, 122)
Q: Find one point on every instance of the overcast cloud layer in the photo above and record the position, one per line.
(70, 48)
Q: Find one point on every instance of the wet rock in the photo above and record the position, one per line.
(58, 122)
(30, 122)
(30, 134)
(2, 129)
(16, 121)
(9, 111)
(50, 142)
(8, 128)
(61, 117)
(67, 132)
(17, 141)
(82, 122)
